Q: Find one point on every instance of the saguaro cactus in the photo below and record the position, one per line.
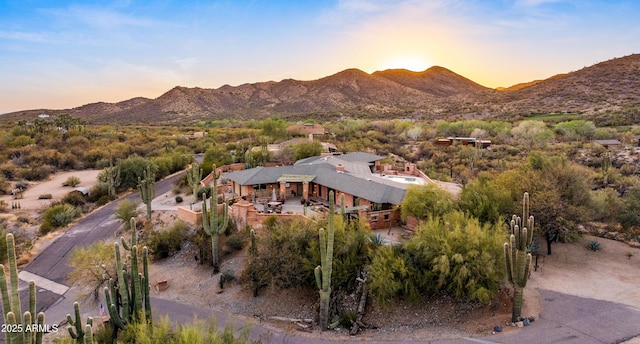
(29, 330)
(113, 177)
(80, 333)
(518, 261)
(147, 188)
(213, 223)
(253, 253)
(129, 300)
(323, 271)
(606, 164)
(194, 176)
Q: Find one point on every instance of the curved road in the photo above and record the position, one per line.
(564, 319)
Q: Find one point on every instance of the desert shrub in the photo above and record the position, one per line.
(179, 199)
(125, 210)
(4, 186)
(204, 190)
(166, 243)
(453, 253)
(72, 181)
(57, 216)
(74, 198)
(289, 252)
(226, 276)
(198, 331)
(97, 191)
(45, 196)
(426, 201)
(132, 168)
(234, 242)
(104, 199)
(40, 172)
(594, 245)
(8, 171)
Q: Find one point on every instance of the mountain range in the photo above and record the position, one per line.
(437, 92)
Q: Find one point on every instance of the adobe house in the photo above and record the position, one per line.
(373, 196)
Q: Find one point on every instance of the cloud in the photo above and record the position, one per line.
(100, 17)
(534, 3)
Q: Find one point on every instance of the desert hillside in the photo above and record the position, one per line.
(436, 92)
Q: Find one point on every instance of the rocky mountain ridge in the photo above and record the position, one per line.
(434, 93)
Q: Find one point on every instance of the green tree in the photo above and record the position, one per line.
(217, 155)
(485, 200)
(463, 256)
(426, 201)
(306, 149)
(132, 168)
(532, 134)
(387, 275)
(91, 268)
(576, 130)
(560, 193)
(125, 211)
(275, 128)
(629, 216)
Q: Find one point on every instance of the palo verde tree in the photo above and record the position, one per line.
(518, 261)
(212, 223)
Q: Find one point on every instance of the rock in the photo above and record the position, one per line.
(532, 318)
(519, 324)
(497, 328)
(526, 322)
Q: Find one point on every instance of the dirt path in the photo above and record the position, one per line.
(53, 186)
(610, 274)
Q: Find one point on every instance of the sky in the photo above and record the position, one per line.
(64, 54)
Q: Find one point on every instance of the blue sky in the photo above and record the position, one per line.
(63, 54)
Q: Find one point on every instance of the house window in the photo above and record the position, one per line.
(386, 216)
(374, 218)
(356, 201)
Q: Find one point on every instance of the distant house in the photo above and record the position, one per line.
(465, 141)
(307, 129)
(609, 144)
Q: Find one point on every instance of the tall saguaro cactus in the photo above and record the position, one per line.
(213, 223)
(147, 188)
(606, 164)
(129, 301)
(29, 329)
(518, 261)
(253, 253)
(194, 176)
(113, 177)
(323, 271)
(80, 333)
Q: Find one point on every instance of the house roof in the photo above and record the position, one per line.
(356, 180)
(361, 156)
(608, 142)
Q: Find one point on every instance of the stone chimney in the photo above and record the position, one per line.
(340, 168)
